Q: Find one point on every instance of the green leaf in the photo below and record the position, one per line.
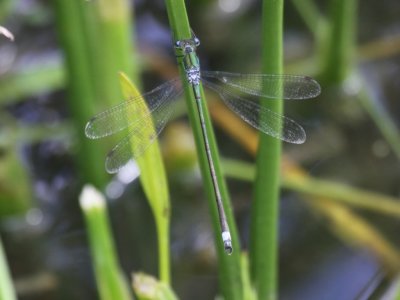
(7, 291)
(152, 178)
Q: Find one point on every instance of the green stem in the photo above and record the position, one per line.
(264, 211)
(7, 291)
(310, 14)
(163, 251)
(109, 278)
(82, 97)
(229, 266)
(112, 43)
(317, 24)
(96, 39)
(338, 56)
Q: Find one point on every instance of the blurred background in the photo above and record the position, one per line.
(340, 210)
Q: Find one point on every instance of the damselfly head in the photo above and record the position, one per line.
(187, 46)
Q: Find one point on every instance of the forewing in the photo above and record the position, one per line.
(260, 117)
(266, 85)
(117, 117)
(140, 137)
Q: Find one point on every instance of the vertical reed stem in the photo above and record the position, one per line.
(229, 266)
(71, 30)
(264, 214)
(96, 39)
(110, 281)
(339, 53)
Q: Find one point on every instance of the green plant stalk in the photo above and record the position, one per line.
(113, 45)
(7, 291)
(316, 23)
(319, 188)
(163, 232)
(309, 12)
(264, 210)
(71, 30)
(229, 266)
(96, 39)
(109, 278)
(338, 57)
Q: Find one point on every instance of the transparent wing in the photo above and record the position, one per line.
(116, 118)
(140, 137)
(267, 85)
(259, 117)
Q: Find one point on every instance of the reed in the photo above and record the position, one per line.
(264, 210)
(110, 281)
(229, 266)
(96, 40)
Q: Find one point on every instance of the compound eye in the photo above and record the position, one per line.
(196, 41)
(178, 44)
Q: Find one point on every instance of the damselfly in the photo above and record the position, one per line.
(230, 86)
